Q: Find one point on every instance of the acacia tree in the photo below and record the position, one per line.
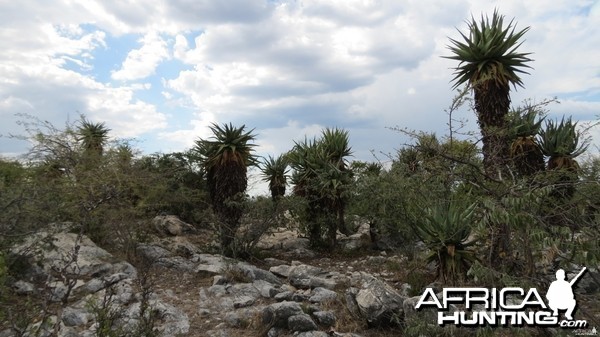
(489, 64)
(226, 157)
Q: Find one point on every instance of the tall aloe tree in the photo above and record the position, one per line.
(93, 137)
(226, 157)
(274, 172)
(304, 159)
(322, 177)
(489, 64)
(336, 176)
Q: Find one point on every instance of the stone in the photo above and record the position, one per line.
(171, 225)
(325, 318)
(241, 318)
(211, 264)
(351, 301)
(173, 321)
(270, 261)
(360, 240)
(322, 295)
(94, 285)
(282, 270)
(266, 289)
(218, 333)
(36, 249)
(23, 288)
(219, 280)
(313, 334)
(98, 270)
(254, 273)
(243, 301)
(301, 322)
(277, 314)
(276, 332)
(284, 296)
(75, 317)
(151, 253)
(316, 282)
(304, 276)
(379, 303)
(177, 263)
(217, 290)
(125, 268)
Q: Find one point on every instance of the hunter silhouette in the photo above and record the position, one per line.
(560, 294)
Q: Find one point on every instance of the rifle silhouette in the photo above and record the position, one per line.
(577, 277)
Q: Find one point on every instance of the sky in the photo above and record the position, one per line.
(162, 71)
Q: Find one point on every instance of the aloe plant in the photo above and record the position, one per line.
(274, 172)
(226, 157)
(445, 228)
(562, 143)
(525, 151)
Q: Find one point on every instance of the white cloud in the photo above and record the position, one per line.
(141, 63)
(284, 67)
(185, 138)
(34, 81)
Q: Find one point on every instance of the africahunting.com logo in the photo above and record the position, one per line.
(507, 306)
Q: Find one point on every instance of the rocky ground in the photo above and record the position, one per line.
(178, 289)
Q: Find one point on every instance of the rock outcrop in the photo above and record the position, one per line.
(222, 295)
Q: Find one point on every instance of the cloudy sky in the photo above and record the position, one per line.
(161, 71)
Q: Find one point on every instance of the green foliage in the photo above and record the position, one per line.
(431, 169)
(93, 136)
(261, 216)
(525, 152)
(106, 313)
(489, 53)
(11, 172)
(321, 176)
(562, 143)
(177, 185)
(225, 158)
(53, 183)
(525, 122)
(381, 198)
(445, 228)
(274, 172)
(228, 144)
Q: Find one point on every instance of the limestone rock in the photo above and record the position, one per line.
(170, 225)
(301, 322)
(75, 317)
(325, 318)
(278, 314)
(379, 303)
(322, 295)
(23, 288)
